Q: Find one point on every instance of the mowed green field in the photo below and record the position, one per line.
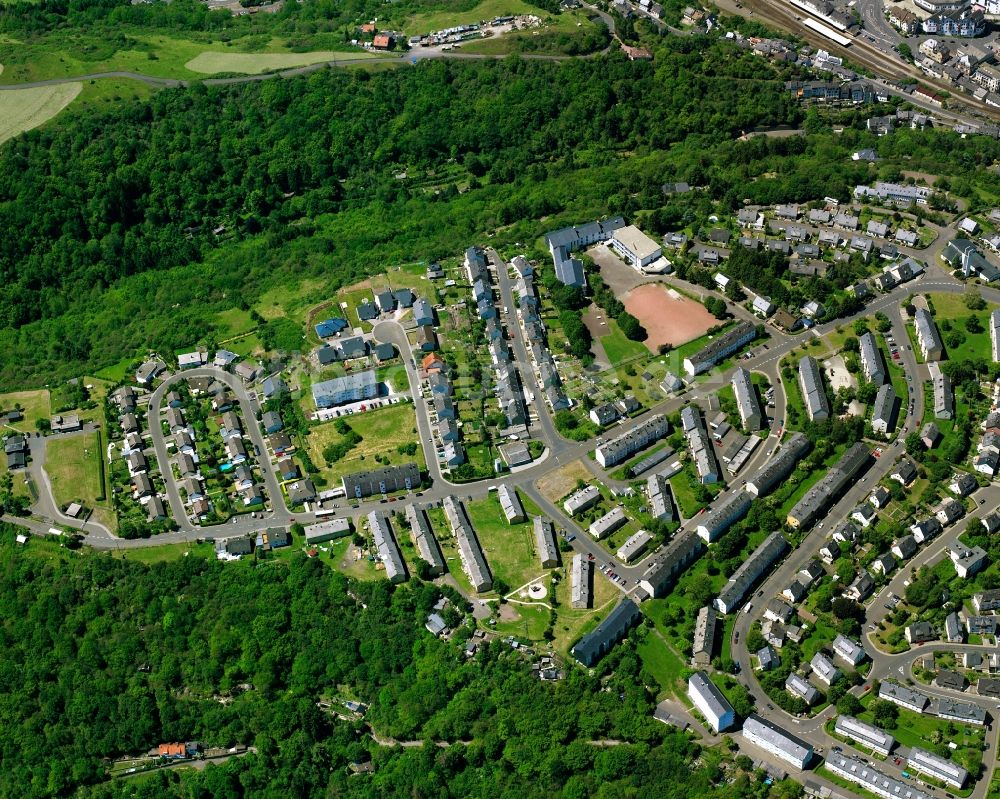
(35, 405)
(976, 345)
(618, 348)
(382, 431)
(74, 469)
(24, 109)
(69, 54)
(211, 63)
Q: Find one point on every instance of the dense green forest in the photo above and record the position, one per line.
(316, 16)
(291, 167)
(110, 217)
(104, 657)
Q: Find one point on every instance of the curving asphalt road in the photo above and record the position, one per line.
(562, 452)
(249, 407)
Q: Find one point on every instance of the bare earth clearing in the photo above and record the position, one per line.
(668, 317)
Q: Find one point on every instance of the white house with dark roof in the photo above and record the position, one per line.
(846, 649)
(779, 742)
(710, 702)
(867, 735)
(824, 669)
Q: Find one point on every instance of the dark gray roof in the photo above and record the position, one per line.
(593, 646)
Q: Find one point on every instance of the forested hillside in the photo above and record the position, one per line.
(131, 229)
(104, 657)
(98, 199)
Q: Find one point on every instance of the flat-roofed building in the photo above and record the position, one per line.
(747, 401)
(710, 702)
(634, 546)
(470, 552)
(721, 347)
(813, 393)
(622, 447)
(581, 576)
(872, 362)
(386, 546)
(726, 513)
(706, 628)
(582, 500)
(545, 542)
(779, 742)
(865, 734)
(424, 540)
(661, 572)
(634, 246)
(327, 530)
(928, 338)
(858, 772)
(779, 465)
(937, 767)
(608, 523)
(510, 503)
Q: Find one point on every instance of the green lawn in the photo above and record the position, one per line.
(69, 53)
(525, 622)
(932, 733)
(571, 623)
(620, 349)
(976, 345)
(382, 431)
(796, 417)
(116, 372)
(34, 405)
(166, 552)
(509, 548)
(685, 485)
(73, 466)
(800, 481)
(662, 663)
(233, 322)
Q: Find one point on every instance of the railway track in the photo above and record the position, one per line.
(783, 16)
